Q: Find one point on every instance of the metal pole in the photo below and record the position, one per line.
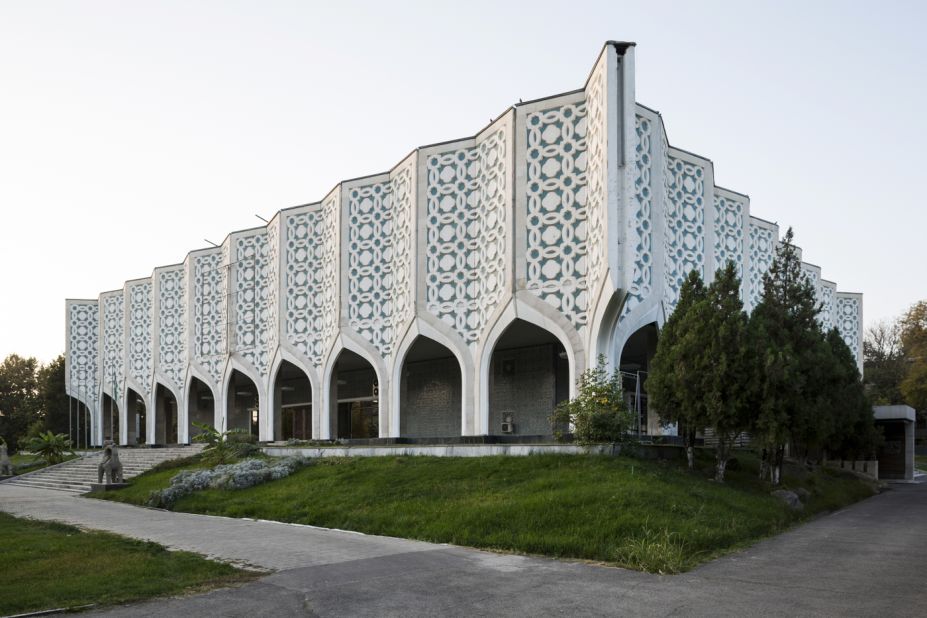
(77, 417)
(69, 390)
(88, 426)
(112, 405)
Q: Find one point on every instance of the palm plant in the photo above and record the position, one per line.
(51, 447)
(223, 446)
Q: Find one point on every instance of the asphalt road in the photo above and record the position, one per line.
(867, 560)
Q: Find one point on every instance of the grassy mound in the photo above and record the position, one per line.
(647, 515)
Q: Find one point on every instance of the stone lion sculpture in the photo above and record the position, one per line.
(6, 466)
(110, 466)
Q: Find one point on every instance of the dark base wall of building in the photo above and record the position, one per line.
(430, 399)
(526, 385)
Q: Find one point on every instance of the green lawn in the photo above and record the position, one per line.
(647, 515)
(920, 462)
(23, 463)
(48, 565)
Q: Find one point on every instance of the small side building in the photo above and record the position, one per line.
(896, 456)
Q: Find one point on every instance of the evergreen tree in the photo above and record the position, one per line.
(784, 330)
(834, 392)
(726, 382)
(676, 366)
(854, 434)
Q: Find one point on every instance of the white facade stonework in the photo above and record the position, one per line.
(571, 213)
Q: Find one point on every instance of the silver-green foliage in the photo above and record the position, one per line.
(241, 475)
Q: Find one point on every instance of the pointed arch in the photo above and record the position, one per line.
(291, 402)
(330, 398)
(635, 356)
(201, 401)
(134, 417)
(111, 417)
(456, 348)
(164, 419)
(429, 392)
(349, 408)
(524, 312)
(284, 353)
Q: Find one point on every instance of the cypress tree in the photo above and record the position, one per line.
(784, 329)
(675, 368)
(726, 383)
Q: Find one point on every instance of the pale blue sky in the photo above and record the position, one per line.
(130, 131)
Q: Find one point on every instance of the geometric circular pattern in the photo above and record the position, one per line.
(209, 313)
(556, 209)
(642, 269)
(729, 233)
(139, 354)
(685, 224)
(83, 329)
(466, 232)
(380, 259)
(172, 325)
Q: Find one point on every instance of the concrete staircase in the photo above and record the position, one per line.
(76, 475)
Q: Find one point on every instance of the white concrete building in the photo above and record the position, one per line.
(458, 294)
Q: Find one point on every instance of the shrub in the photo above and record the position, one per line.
(241, 475)
(598, 413)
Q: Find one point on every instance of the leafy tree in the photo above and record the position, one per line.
(52, 398)
(784, 328)
(18, 407)
(598, 413)
(726, 383)
(914, 344)
(883, 362)
(677, 365)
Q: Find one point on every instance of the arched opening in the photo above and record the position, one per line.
(201, 406)
(529, 374)
(636, 357)
(355, 412)
(165, 416)
(430, 391)
(292, 404)
(110, 419)
(242, 403)
(135, 418)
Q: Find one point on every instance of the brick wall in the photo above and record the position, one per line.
(430, 399)
(524, 384)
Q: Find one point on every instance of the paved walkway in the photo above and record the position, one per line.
(867, 560)
(266, 545)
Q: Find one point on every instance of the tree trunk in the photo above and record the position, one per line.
(777, 464)
(689, 441)
(723, 454)
(764, 464)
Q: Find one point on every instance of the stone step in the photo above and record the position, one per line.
(57, 486)
(77, 475)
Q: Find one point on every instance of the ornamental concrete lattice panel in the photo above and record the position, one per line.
(506, 262)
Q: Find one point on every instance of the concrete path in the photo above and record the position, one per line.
(867, 560)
